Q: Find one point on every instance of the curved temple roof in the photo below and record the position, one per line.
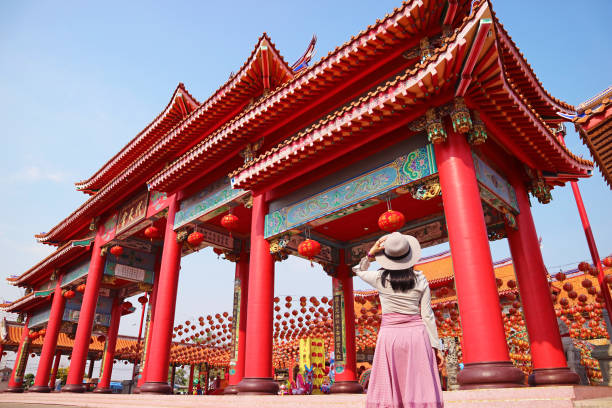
(594, 124)
(264, 67)
(180, 105)
(488, 89)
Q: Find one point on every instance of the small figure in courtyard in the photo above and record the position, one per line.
(405, 371)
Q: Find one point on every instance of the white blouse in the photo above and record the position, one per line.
(414, 301)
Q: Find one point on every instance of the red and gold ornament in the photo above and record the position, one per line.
(309, 248)
(229, 222)
(116, 250)
(391, 220)
(151, 232)
(195, 238)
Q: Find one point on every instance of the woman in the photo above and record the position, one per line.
(404, 371)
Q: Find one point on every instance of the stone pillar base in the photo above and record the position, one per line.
(136, 390)
(257, 386)
(553, 376)
(346, 387)
(603, 354)
(14, 389)
(493, 374)
(78, 388)
(39, 388)
(156, 388)
(103, 391)
(231, 389)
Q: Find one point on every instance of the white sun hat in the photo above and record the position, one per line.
(399, 252)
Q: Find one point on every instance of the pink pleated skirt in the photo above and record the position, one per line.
(404, 371)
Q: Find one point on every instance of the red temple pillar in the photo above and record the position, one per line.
(346, 380)
(190, 384)
(165, 304)
(21, 360)
(148, 334)
(74, 383)
(108, 356)
(485, 352)
(547, 356)
(41, 382)
(56, 363)
(239, 323)
(258, 357)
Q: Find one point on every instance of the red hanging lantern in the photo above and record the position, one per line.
(309, 248)
(69, 294)
(607, 261)
(391, 221)
(143, 299)
(116, 250)
(511, 284)
(229, 222)
(81, 288)
(151, 232)
(583, 266)
(218, 251)
(560, 276)
(195, 238)
(101, 338)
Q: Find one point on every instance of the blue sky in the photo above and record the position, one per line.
(80, 79)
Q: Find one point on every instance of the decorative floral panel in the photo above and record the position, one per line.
(403, 170)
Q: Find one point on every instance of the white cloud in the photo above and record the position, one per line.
(33, 174)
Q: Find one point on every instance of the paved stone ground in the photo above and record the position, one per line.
(540, 397)
(18, 405)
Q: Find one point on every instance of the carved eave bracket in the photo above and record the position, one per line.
(538, 187)
(426, 189)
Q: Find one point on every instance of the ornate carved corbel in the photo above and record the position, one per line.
(460, 116)
(426, 189)
(478, 134)
(538, 187)
(496, 235)
(425, 48)
(145, 287)
(231, 256)
(110, 280)
(509, 219)
(93, 224)
(278, 248)
(435, 129)
(181, 236)
(248, 154)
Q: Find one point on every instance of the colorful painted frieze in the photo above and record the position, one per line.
(209, 202)
(496, 187)
(406, 169)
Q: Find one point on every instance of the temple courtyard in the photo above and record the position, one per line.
(542, 397)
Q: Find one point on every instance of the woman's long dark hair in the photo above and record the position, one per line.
(401, 280)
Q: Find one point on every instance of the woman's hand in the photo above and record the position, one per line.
(377, 247)
(441, 359)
